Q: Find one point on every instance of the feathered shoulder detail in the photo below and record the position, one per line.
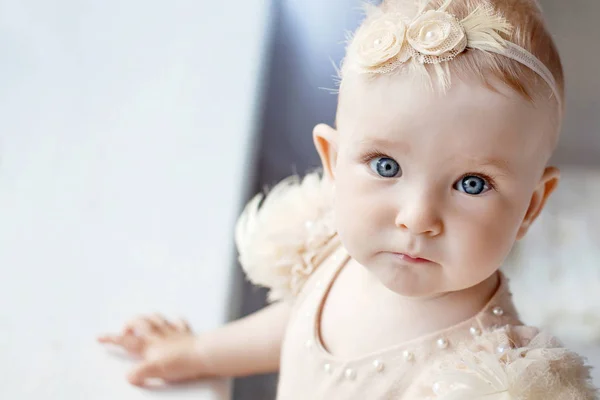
(514, 363)
(279, 236)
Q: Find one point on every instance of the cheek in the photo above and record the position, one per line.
(347, 201)
(359, 212)
(485, 234)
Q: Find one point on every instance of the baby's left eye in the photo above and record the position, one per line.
(385, 167)
(473, 185)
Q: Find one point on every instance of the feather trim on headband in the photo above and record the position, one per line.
(280, 236)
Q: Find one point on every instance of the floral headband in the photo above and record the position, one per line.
(390, 40)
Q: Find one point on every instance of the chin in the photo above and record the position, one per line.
(406, 281)
(414, 291)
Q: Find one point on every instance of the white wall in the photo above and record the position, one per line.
(125, 132)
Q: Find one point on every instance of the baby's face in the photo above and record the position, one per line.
(432, 190)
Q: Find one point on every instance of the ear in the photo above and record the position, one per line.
(546, 186)
(326, 142)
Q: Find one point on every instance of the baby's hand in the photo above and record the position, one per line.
(168, 350)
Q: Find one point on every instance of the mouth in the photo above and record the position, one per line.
(413, 259)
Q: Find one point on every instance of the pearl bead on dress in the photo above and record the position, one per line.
(498, 311)
(442, 343)
(501, 349)
(378, 365)
(350, 374)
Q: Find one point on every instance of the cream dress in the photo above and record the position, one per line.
(287, 243)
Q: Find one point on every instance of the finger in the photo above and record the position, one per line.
(109, 339)
(141, 326)
(143, 371)
(182, 325)
(160, 324)
(131, 343)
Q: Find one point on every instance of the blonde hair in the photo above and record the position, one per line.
(528, 31)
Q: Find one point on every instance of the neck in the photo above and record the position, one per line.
(415, 317)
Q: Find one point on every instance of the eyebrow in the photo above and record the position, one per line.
(498, 163)
(385, 144)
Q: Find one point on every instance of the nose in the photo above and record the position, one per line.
(419, 216)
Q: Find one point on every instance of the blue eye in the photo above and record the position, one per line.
(385, 167)
(473, 185)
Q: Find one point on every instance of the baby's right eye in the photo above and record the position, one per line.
(385, 167)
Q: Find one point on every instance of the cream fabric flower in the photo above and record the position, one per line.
(499, 366)
(381, 41)
(438, 34)
(279, 236)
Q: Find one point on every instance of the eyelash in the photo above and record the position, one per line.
(370, 155)
(488, 178)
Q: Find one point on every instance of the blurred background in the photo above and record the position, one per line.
(132, 133)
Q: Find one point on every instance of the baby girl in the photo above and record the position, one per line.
(384, 270)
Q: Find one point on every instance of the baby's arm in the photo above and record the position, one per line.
(248, 346)
(170, 351)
